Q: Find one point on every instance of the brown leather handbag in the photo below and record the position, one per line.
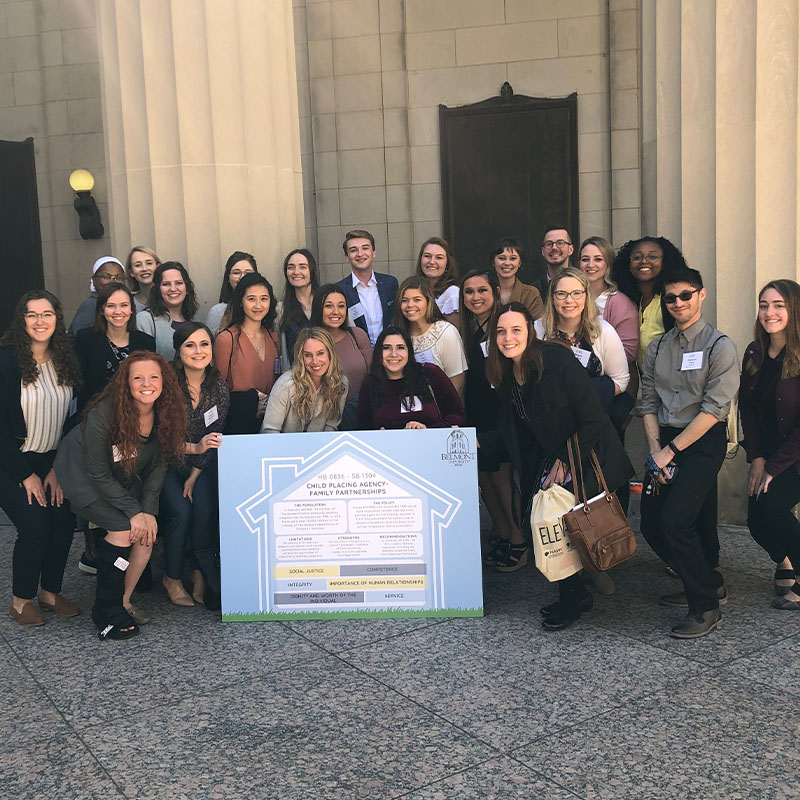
(597, 528)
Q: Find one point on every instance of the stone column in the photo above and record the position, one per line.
(202, 134)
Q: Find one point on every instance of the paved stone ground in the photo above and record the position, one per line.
(478, 708)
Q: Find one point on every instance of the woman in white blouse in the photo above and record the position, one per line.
(38, 375)
(436, 263)
(435, 340)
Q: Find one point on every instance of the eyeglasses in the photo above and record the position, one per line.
(32, 316)
(575, 294)
(650, 258)
(684, 296)
(559, 243)
(106, 278)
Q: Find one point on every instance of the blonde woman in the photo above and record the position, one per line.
(140, 267)
(311, 396)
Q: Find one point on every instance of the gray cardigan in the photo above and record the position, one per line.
(87, 471)
(280, 416)
(160, 328)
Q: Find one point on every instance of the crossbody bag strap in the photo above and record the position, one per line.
(601, 479)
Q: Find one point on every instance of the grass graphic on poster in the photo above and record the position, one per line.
(389, 613)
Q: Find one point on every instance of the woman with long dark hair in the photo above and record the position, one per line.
(237, 266)
(310, 396)
(246, 352)
(111, 468)
(329, 312)
(38, 374)
(301, 281)
(769, 403)
(545, 398)
(436, 262)
(189, 501)
(172, 302)
(399, 392)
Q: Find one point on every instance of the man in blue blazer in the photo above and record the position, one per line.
(370, 295)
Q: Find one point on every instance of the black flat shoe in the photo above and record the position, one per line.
(584, 604)
(562, 617)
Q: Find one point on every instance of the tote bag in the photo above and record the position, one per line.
(556, 558)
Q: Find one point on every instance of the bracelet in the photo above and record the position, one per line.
(672, 446)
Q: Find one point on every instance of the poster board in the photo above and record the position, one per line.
(366, 524)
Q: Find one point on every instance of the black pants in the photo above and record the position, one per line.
(670, 519)
(771, 521)
(44, 535)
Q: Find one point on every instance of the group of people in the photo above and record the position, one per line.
(115, 421)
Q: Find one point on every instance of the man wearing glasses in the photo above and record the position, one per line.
(557, 247)
(689, 378)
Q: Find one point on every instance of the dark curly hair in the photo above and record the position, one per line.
(170, 412)
(416, 384)
(156, 304)
(673, 260)
(225, 290)
(61, 353)
(103, 296)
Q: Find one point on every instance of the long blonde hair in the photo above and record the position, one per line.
(607, 251)
(589, 328)
(332, 387)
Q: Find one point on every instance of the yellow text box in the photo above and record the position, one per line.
(416, 582)
(307, 571)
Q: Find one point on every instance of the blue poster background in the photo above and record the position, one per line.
(366, 524)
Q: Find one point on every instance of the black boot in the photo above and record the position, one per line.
(109, 615)
(572, 599)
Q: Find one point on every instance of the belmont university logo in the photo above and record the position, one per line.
(458, 449)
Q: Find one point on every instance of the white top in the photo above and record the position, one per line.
(608, 348)
(448, 300)
(45, 406)
(370, 302)
(441, 345)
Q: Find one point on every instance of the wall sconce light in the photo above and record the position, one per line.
(89, 223)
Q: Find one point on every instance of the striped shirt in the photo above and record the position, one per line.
(45, 405)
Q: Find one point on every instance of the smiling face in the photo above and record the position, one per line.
(512, 335)
(334, 311)
(593, 264)
(117, 310)
(40, 320)
(557, 247)
(647, 259)
(298, 271)
(145, 383)
(414, 305)
(360, 255)
(394, 356)
(143, 265)
(684, 312)
(196, 352)
(569, 299)
(108, 272)
(173, 288)
(316, 359)
(433, 262)
(238, 271)
(507, 264)
(772, 312)
(478, 297)
(255, 302)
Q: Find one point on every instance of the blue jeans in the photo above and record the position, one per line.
(194, 521)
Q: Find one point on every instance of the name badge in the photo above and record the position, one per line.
(485, 349)
(212, 415)
(424, 357)
(582, 355)
(278, 365)
(414, 404)
(692, 361)
(121, 564)
(356, 311)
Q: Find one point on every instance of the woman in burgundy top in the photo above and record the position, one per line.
(401, 393)
(769, 403)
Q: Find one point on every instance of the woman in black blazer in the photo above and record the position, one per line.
(38, 372)
(545, 397)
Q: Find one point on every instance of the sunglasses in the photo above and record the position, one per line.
(684, 297)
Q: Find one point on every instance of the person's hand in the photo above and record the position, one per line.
(755, 478)
(138, 527)
(34, 489)
(56, 493)
(211, 441)
(557, 475)
(188, 487)
(415, 426)
(152, 529)
(663, 458)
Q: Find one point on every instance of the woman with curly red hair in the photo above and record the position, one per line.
(112, 467)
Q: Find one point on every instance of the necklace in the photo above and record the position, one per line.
(258, 343)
